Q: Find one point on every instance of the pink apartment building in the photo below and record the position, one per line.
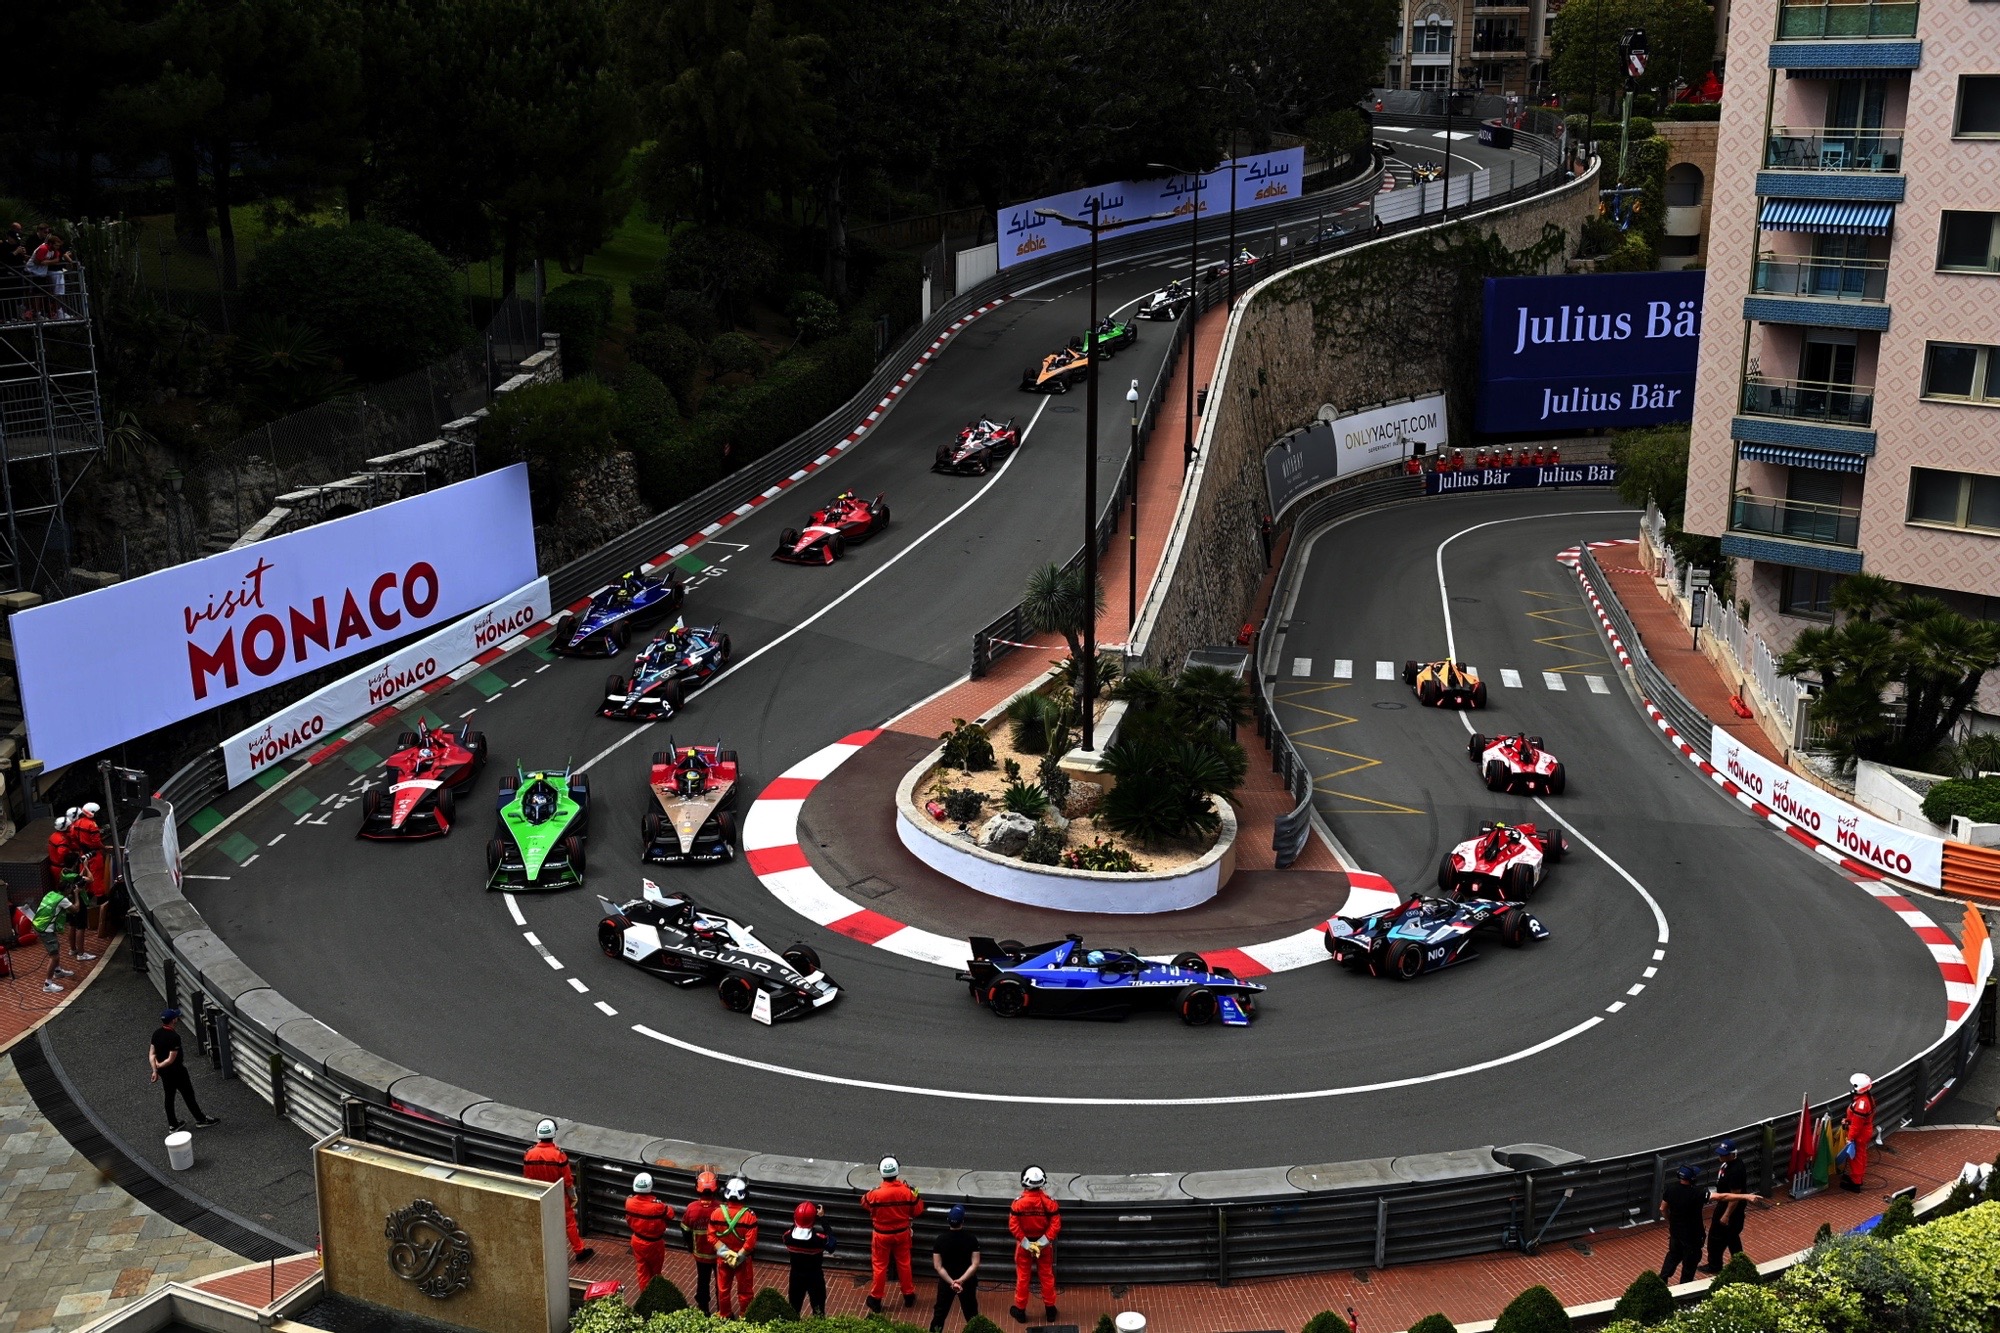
(1847, 415)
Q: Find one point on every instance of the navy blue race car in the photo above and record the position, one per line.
(664, 671)
(1426, 933)
(1065, 979)
(605, 626)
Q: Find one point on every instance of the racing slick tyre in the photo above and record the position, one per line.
(447, 804)
(1448, 874)
(579, 791)
(1514, 930)
(650, 830)
(1191, 962)
(1406, 960)
(881, 518)
(1428, 694)
(621, 635)
(737, 994)
(1558, 780)
(1199, 1007)
(788, 539)
(1475, 746)
(477, 744)
(1535, 741)
(1409, 673)
(613, 685)
(662, 758)
(564, 629)
(725, 832)
(1555, 847)
(1518, 883)
(676, 694)
(610, 939)
(722, 652)
(1479, 695)
(1008, 998)
(495, 849)
(838, 545)
(1059, 386)
(1496, 775)
(801, 958)
(573, 849)
(505, 796)
(405, 739)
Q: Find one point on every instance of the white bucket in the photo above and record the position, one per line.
(180, 1150)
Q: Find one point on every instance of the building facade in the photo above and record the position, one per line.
(1690, 173)
(1847, 405)
(1496, 48)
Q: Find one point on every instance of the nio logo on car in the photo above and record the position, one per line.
(387, 684)
(271, 747)
(1796, 811)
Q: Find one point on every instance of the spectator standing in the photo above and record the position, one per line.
(808, 1243)
(732, 1230)
(547, 1162)
(1732, 1200)
(893, 1208)
(1681, 1205)
(169, 1065)
(647, 1215)
(1035, 1221)
(955, 1258)
(48, 920)
(694, 1221)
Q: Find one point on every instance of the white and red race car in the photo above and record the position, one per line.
(1516, 763)
(1506, 861)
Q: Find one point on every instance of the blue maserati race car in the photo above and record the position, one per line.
(603, 628)
(664, 671)
(1066, 979)
(1426, 933)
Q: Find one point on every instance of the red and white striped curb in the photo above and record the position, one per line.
(1590, 595)
(1572, 556)
(772, 849)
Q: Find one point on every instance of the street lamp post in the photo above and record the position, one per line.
(1194, 284)
(1133, 457)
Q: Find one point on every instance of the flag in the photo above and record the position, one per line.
(1802, 1139)
(1830, 1138)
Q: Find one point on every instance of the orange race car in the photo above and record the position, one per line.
(1445, 684)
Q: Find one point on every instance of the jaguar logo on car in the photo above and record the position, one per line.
(1847, 834)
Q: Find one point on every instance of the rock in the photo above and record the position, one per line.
(1055, 820)
(1083, 798)
(1006, 834)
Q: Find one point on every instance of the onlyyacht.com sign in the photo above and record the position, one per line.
(1579, 351)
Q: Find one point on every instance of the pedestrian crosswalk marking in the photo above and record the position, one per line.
(1343, 668)
(1597, 685)
(1385, 671)
(1302, 666)
(1553, 681)
(1510, 678)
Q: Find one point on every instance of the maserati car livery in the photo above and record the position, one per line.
(1066, 979)
(603, 628)
(424, 772)
(1516, 763)
(1057, 372)
(1425, 934)
(694, 787)
(1445, 684)
(981, 445)
(1169, 301)
(667, 935)
(1505, 861)
(544, 819)
(844, 520)
(664, 671)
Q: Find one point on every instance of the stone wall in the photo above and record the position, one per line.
(1291, 346)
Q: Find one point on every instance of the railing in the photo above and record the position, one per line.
(1799, 520)
(1860, 19)
(1809, 400)
(1830, 279)
(1863, 148)
(59, 297)
(1782, 695)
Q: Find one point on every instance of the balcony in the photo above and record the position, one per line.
(1827, 279)
(1847, 20)
(1862, 149)
(1795, 520)
(1809, 400)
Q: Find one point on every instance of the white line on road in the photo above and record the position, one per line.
(578, 986)
(608, 1010)
(1302, 666)
(1385, 671)
(1554, 682)
(1597, 685)
(552, 960)
(1343, 668)
(1636, 989)
(275, 841)
(249, 859)
(468, 712)
(1614, 1006)
(514, 909)
(221, 877)
(532, 938)
(1510, 678)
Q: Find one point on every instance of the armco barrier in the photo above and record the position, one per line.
(1653, 683)
(1190, 1226)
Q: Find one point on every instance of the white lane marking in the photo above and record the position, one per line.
(1659, 955)
(1343, 668)
(874, 574)
(468, 712)
(1554, 682)
(1451, 134)
(1597, 685)
(1614, 1006)
(514, 909)
(1385, 671)
(246, 863)
(188, 876)
(530, 935)
(1302, 666)
(546, 665)
(1659, 917)
(1444, 596)
(1636, 989)
(275, 841)
(1650, 973)
(1510, 678)
(578, 986)
(551, 960)
(607, 1009)
(1244, 1099)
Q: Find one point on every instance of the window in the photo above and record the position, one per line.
(1955, 499)
(1969, 243)
(1678, 247)
(1683, 185)
(1807, 593)
(1431, 39)
(1966, 372)
(1978, 106)
(1429, 77)
(1497, 34)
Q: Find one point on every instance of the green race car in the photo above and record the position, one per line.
(544, 818)
(1113, 336)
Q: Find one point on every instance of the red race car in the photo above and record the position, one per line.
(427, 767)
(846, 519)
(1505, 861)
(1516, 763)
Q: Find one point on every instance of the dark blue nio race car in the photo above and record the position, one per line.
(603, 628)
(664, 671)
(1426, 933)
(1067, 980)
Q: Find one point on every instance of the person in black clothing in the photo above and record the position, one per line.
(956, 1259)
(808, 1243)
(170, 1072)
(1732, 1199)
(1681, 1206)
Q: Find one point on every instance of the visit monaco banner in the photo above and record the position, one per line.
(1329, 449)
(99, 669)
(1265, 178)
(1584, 350)
(1855, 833)
(317, 718)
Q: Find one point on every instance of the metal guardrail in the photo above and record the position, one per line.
(1689, 721)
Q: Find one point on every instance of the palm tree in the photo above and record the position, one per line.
(1055, 602)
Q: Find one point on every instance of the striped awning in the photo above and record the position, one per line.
(1789, 456)
(1826, 218)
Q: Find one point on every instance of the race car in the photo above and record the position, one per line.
(1425, 934)
(1065, 979)
(844, 520)
(664, 671)
(1505, 861)
(603, 628)
(1445, 684)
(424, 772)
(1516, 763)
(544, 819)
(667, 935)
(1427, 171)
(1112, 336)
(1056, 372)
(695, 787)
(1169, 301)
(1244, 259)
(979, 446)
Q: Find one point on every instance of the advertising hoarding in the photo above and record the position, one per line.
(1327, 450)
(1889, 848)
(1262, 178)
(1521, 478)
(316, 718)
(104, 667)
(1578, 351)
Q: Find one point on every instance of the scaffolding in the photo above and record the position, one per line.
(51, 423)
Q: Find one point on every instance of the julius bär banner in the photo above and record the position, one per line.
(1521, 478)
(317, 718)
(1579, 350)
(1853, 832)
(102, 668)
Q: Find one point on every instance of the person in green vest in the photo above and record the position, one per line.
(48, 917)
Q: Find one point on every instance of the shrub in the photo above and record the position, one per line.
(649, 293)
(1045, 846)
(1902, 1215)
(1977, 799)
(691, 311)
(385, 298)
(1433, 1323)
(661, 1296)
(1599, 235)
(1049, 773)
(607, 1314)
(1646, 1301)
(579, 311)
(1326, 1321)
(813, 315)
(1163, 788)
(1740, 1268)
(770, 1307)
(1038, 723)
(979, 1323)
(672, 355)
(558, 430)
(1025, 798)
(1742, 1307)
(1857, 1283)
(1633, 255)
(967, 747)
(1535, 1310)
(1695, 111)
(961, 805)
(1954, 1258)
(737, 354)
(1965, 1194)
(1104, 1325)
(1102, 855)
(1012, 768)
(724, 264)
(285, 366)
(1641, 129)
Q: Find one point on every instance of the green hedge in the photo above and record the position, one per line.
(580, 311)
(1977, 799)
(1695, 111)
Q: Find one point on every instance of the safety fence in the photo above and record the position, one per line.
(1688, 720)
(1151, 1228)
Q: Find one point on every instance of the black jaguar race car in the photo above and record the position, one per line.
(669, 936)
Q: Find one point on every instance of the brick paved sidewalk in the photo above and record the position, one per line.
(24, 1005)
(1670, 644)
